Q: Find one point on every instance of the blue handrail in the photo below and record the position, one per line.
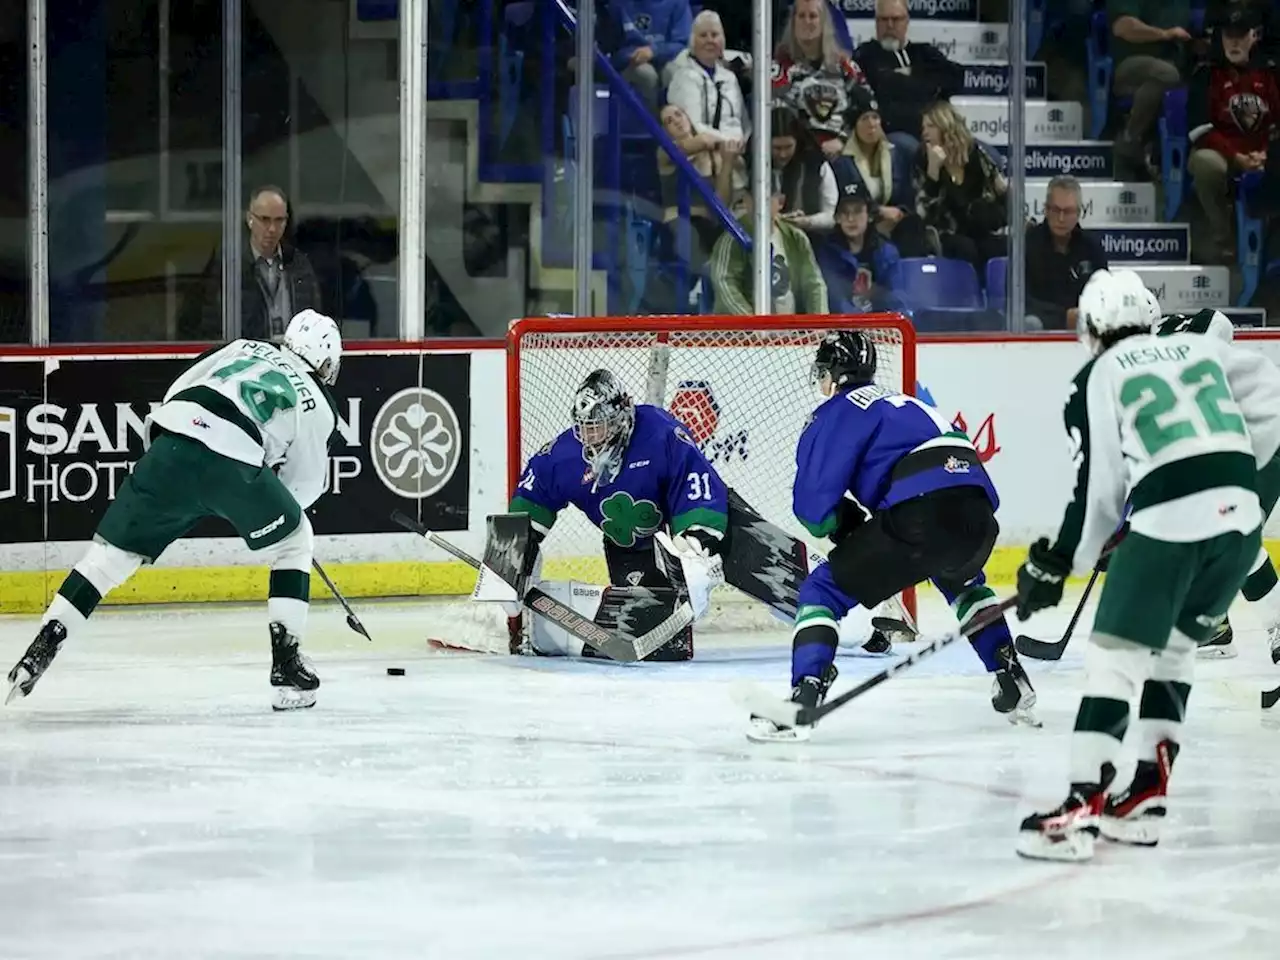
(620, 88)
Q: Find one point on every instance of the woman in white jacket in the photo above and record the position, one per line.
(707, 90)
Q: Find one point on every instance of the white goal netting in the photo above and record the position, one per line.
(740, 384)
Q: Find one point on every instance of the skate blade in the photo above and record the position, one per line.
(1073, 848)
(757, 701)
(1227, 652)
(15, 686)
(764, 731)
(1143, 832)
(286, 698)
(1024, 717)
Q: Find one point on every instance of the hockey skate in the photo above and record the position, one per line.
(809, 692)
(1134, 816)
(1068, 831)
(291, 673)
(1221, 645)
(1011, 691)
(27, 671)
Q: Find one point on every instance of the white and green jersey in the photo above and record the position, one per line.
(257, 403)
(1255, 381)
(1158, 421)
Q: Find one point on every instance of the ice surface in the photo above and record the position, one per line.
(153, 807)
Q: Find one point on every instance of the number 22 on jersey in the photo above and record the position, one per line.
(1197, 404)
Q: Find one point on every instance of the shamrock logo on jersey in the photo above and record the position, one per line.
(626, 520)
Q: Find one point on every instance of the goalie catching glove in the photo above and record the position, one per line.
(690, 566)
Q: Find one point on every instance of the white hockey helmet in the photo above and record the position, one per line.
(1131, 282)
(315, 339)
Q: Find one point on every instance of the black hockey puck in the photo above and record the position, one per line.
(395, 671)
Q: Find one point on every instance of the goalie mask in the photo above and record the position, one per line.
(848, 357)
(603, 418)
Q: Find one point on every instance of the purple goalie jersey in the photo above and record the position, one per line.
(665, 481)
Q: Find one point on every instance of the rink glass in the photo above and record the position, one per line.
(147, 100)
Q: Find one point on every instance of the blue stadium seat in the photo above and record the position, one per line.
(515, 22)
(1174, 149)
(1250, 237)
(941, 295)
(1100, 67)
(639, 242)
(600, 113)
(1036, 21)
(930, 283)
(997, 277)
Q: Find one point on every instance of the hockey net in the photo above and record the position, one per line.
(742, 386)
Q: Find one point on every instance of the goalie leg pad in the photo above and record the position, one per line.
(549, 640)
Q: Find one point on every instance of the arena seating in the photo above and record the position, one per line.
(1137, 223)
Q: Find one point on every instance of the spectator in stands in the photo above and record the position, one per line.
(797, 281)
(884, 172)
(714, 159)
(654, 32)
(707, 90)
(907, 77)
(816, 76)
(960, 193)
(802, 174)
(1060, 258)
(1232, 108)
(857, 263)
(1150, 59)
(276, 280)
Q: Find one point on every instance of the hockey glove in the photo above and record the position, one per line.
(1040, 579)
(1104, 561)
(690, 568)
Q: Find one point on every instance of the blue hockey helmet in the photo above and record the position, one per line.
(603, 419)
(848, 357)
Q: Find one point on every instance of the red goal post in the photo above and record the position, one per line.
(742, 385)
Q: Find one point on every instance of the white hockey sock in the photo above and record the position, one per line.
(287, 603)
(1113, 671)
(1164, 696)
(100, 570)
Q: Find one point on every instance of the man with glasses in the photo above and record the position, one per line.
(276, 282)
(907, 77)
(1060, 258)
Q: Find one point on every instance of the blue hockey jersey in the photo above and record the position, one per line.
(883, 447)
(665, 481)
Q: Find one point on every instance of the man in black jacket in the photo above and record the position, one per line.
(276, 280)
(1060, 258)
(906, 77)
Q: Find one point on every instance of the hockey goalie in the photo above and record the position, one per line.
(666, 518)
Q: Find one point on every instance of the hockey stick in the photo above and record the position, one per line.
(787, 714)
(352, 620)
(615, 646)
(1045, 650)
(1270, 698)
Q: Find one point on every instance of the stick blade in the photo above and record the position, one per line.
(897, 631)
(354, 623)
(757, 701)
(1270, 698)
(1040, 649)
